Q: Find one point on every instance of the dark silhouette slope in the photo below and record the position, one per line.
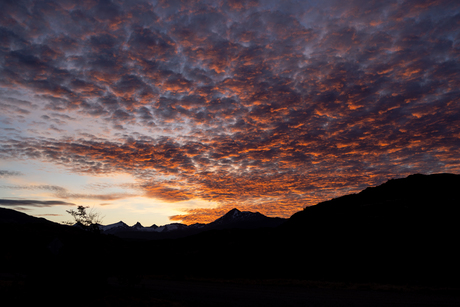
(403, 231)
(12, 216)
(49, 262)
(411, 197)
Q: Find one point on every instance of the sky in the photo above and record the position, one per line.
(178, 111)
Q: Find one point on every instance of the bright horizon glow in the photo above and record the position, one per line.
(130, 207)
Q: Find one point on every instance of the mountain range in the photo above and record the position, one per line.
(405, 231)
(232, 219)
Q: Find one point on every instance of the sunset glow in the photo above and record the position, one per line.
(178, 111)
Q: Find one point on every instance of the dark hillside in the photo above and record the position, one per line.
(414, 196)
(401, 231)
(404, 231)
(45, 261)
(15, 217)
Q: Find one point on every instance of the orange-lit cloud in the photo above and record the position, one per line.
(268, 107)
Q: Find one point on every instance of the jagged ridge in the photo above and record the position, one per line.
(232, 219)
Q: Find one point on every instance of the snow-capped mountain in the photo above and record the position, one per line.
(171, 227)
(114, 228)
(244, 219)
(137, 226)
(232, 219)
(237, 216)
(123, 227)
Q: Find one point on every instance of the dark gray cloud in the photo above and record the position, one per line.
(51, 188)
(32, 203)
(60, 192)
(6, 173)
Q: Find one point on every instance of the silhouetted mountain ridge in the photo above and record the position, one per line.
(16, 217)
(232, 219)
(411, 196)
(244, 219)
(403, 230)
(236, 215)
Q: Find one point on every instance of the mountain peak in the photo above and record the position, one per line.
(244, 219)
(115, 226)
(138, 225)
(233, 212)
(236, 215)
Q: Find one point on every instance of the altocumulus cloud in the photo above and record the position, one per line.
(270, 106)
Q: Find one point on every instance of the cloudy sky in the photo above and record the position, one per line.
(169, 111)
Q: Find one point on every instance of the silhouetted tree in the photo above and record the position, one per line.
(89, 220)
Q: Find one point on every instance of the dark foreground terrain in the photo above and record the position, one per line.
(161, 291)
(391, 245)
